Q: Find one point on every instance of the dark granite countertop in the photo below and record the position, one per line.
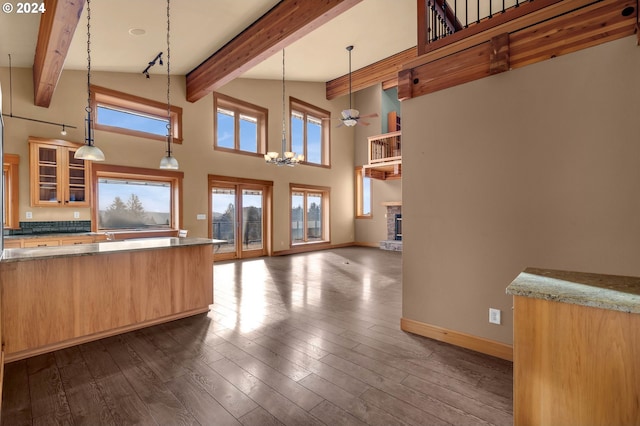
(614, 292)
(26, 254)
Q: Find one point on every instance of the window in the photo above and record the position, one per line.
(309, 214)
(10, 218)
(239, 126)
(130, 198)
(363, 194)
(120, 112)
(310, 132)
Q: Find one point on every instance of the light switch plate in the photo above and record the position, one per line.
(494, 316)
(201, 216)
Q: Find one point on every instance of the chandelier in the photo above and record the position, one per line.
(288, 158)
(168, 162)
(89, 151)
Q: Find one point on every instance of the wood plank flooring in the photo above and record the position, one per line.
(308, 339)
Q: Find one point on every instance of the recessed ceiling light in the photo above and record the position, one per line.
(137, 31)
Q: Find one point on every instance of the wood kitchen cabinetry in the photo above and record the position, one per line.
(576, 348)
(52, 241)
(57, 178)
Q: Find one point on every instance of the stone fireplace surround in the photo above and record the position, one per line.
(393, 208)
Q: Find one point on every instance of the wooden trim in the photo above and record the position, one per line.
(126, 101)
(556, 30)
(458, 338)
(385, 70)
(57, 27)
(123, 172)
(308, 109)
(499, 55)
(440, 50)
(17, 356)
(11, 164)
(359, 194)
(561, 28)
(366, 244)
(238, 184)
(230, 179)
(241, 107)
(326, 211)
(286, 22)
(500, 19)
(55, 142)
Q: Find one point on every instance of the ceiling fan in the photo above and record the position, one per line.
(351, 116)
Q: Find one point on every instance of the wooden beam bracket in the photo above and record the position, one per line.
(499, 57)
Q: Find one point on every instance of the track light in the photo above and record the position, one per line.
(64, 131)
(158, 58)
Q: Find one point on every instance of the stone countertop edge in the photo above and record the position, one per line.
(613, 292)
(105, 247)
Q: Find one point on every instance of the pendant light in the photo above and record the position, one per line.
(288, 158)
(89, 151)
(169, 162)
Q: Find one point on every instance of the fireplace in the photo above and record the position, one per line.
(394, 226)
(397, 236)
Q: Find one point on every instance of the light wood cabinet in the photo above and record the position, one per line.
(12, 243)
(40, 242)
(52, 242)
(60, 301)
(57, 178)
(76, 241)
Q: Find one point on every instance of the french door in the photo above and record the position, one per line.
(240, 217)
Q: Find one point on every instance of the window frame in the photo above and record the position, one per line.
(297, 105)
(101, 96)
(110, 171)
(11, 176)
(326, 220)
(240, 107)
(360, 175)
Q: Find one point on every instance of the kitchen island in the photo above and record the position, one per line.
(55, 297)
(576, 348)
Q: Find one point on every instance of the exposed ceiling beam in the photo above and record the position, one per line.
(379, 72)
(285, 23)
(57, 26)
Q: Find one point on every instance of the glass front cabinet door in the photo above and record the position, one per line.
(57, 178)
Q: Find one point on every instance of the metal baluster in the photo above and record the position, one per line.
(466, 13)
(478, 13)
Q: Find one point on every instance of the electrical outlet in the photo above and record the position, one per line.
(76, 215)
(29, 215)
(201, 216)
(494, 316)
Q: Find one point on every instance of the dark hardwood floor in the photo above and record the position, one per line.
(307, 339)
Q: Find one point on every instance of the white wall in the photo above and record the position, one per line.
(538, 166)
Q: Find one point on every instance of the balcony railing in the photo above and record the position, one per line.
(385, 148)
(446, 17)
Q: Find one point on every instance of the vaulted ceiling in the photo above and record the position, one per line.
(245, 34)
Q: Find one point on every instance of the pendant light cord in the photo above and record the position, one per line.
(89, 133)
(284, 138)
(350, 48)
(169, 130)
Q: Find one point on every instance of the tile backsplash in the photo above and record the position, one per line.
(51, 227)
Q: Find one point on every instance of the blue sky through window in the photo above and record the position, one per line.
(129, 120)
(225, 136)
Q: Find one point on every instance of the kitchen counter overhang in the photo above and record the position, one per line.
(55, 297)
